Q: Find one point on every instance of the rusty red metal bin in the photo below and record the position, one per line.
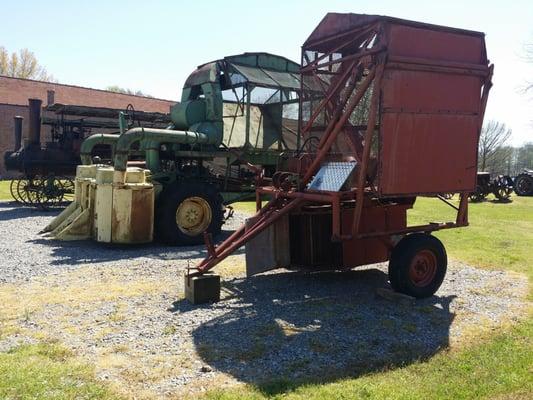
(399, 105)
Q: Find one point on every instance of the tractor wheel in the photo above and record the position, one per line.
(184, 211)
(477, 196)
(418, 265)
(523, 185)
(503, 193)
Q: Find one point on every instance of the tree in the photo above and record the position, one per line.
(118, 89)
(23, 64)
(494, 136)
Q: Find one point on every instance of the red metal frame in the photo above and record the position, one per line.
(362, 57)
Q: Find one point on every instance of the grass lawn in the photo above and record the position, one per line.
(499, 237)
(4, 191)
(47, 371)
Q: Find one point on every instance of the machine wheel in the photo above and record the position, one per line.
(29, 189)
(184, 211)
(51, 193)
(13, 190)
(503, 193)
(523, 185)
(477, 196)
(418, 265)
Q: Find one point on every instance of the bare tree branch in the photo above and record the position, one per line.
(494, 136)
(23, 64)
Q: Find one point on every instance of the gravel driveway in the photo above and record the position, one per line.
(122, 309)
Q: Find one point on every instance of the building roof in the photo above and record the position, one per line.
(17, 91)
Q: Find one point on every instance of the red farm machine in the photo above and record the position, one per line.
(390, 110)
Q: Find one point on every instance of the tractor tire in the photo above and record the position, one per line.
(478, 196)
(185, 210)
(523, 185)
(418, 265)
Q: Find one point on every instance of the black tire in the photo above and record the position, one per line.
(166, 226)
(478, 196)
(523, 185)
(412, 254)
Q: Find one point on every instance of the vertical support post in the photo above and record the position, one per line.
(300, 103)
(249, 89)
(361, 181)
(462, 214)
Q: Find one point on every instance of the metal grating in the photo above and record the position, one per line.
(331, 176)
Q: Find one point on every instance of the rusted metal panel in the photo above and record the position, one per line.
(427, 153)
(416, 42)
(429, 92)
(374, 220)
(270, 249)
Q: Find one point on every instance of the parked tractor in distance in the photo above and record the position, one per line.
(501, 187)
(523, 183)
(235, 117)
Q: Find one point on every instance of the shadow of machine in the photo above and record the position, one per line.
(280, 331)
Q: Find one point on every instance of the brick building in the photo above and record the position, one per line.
(15, 92)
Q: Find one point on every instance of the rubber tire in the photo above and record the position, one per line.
(400, 260)
(167, 230)
(517, 181)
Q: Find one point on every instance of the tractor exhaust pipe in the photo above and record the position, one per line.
(34, 137)
(17, 132)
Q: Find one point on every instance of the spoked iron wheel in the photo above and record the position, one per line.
(477, 196)
(67, 186)
(28, 190)
(503, 193)
(14, 192)
(51, 193)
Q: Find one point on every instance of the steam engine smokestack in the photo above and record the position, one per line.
(18, 132)
(35, 122)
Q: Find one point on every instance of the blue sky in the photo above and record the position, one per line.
(153, 45)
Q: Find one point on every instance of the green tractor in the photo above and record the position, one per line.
(235, 118)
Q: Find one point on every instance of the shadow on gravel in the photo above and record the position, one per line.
(11, 210)
(89, 251)
(283, 330)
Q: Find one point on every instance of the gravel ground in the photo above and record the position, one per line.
(122, 309)
(26, 253)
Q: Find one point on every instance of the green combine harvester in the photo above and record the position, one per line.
(235, 118)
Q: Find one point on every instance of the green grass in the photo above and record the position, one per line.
(500, 235)
(499, 366)
(5, 195)
(47, 371)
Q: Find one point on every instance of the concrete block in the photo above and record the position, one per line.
(202, 289)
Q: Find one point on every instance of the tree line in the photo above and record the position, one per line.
(496, 156)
